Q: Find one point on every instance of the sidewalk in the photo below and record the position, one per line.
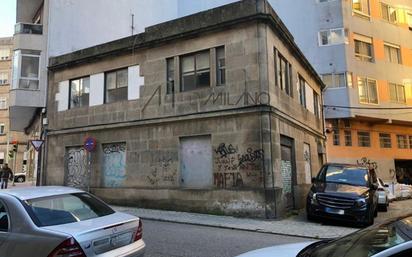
(289, 227)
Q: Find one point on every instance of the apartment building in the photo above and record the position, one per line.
(361, 49)
(200, 113)
(9, 140)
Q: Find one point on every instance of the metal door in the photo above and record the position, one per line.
(196, 162)
(76, 167)
(287, 167)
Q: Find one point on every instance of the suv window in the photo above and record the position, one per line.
(346, 175)
(4, 218)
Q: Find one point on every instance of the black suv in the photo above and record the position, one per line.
(343, 192)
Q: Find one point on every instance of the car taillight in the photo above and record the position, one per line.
(69, 248)
(139, 233)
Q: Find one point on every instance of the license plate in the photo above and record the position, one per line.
(334, 211)
(121, 240)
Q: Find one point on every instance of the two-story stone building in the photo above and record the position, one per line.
(215, 112)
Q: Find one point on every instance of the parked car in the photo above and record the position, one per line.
(383, 195)
(20, 177)
(63, 221)
(390, 239)
(343, 192)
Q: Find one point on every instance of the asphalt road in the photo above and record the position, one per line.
(165, 239)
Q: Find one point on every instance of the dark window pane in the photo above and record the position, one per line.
(30, 67)
(203, 78)
(189, 82)
(118, 94)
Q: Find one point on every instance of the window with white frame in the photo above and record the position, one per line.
(26, 69)
(2, 129)
(4, 78)
(3, 103)
(363, 48)
(334, 80)
(79, 92)
(361, 7)
(368, 91)
(392, 53)
(332, 37)
(397, 93)
(116, 83)
(388, 13)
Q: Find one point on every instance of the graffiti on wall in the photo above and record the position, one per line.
(76, 167)
(162, 171)
(308, 166)
(367, 163)
(114, 164)
(234, 168)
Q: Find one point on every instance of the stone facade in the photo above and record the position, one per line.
(215, 149)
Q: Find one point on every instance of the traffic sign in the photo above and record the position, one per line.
(37, 144)
(89, 144)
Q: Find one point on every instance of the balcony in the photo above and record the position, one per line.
(28, 28)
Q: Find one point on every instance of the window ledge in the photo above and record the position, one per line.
(361, 14)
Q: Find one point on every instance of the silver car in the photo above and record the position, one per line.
(63, 221)
(383, 195)
(390, 239)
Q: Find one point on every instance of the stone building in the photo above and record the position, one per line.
(215, 112)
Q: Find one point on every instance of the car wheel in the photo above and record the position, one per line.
(370, 219)
(20, 179)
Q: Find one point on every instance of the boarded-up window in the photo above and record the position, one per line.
(114, 164)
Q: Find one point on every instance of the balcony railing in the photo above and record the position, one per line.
(28, 28)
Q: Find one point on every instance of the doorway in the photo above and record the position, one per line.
(196, 162)
(288, 171)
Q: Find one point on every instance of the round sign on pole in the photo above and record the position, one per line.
(89, 144)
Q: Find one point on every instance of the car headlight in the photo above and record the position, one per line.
(360, 203)
(312, 197)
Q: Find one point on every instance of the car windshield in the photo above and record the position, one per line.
(366, 242)
(347, 175)
(68, 208)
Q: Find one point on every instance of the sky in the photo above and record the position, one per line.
(7, 17)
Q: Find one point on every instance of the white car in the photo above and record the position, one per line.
(65, 222)
(383, 195)
(390, 239)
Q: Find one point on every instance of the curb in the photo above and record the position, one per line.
(258, 230)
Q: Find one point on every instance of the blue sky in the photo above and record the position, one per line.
(7, 17)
